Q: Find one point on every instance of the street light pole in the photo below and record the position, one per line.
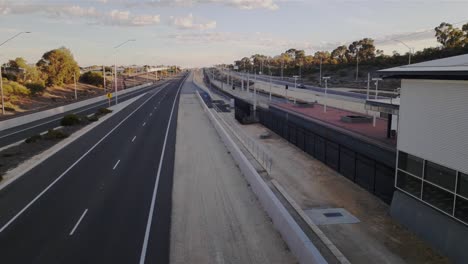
(115, 67)
(326, 94)
(74, 79)
(320, 80)
(411, 50)
(1, 78)
(376, 96)
(104, 77)
(357, 64)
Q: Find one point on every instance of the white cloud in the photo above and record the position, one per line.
(89, 14)
(189, 22)
(241, 4)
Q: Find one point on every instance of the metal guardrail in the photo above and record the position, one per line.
(257, 151)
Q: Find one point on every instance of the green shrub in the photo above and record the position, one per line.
(55, 134)
(33, 139)
(92, 118)
(103, 111)
(36, 88)
(93, 78)
(9, 107)
(70, 120)
(14, 88)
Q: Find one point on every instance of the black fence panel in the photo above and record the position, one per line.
(292, 133)
(300, 138)
(310, 144)
(384, 181)
(347, 163)
(332, 157)
(320, 148)
(348, 155)
(365, 172)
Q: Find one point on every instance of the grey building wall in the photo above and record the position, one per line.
(443, 233)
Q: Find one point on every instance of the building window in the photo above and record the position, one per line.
(440, 175)
(438, 198)
(461, 209)
(463, 184)
(409, 183)
(410, 163)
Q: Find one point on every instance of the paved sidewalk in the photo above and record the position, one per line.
(216, 218)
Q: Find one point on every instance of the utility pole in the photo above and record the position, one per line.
(326, 94)
(1, 89)
(320, 71)
(104, 77)
(115, 66)
(270, 86)
(357, 64)
(74, 79)
(376, 96)
(282, 67)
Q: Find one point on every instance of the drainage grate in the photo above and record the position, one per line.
(333, 214)
(330, 216)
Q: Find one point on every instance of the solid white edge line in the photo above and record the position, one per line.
(116, 164)
(78, 223)
(74, 164)
(155, 191)
(133, 138)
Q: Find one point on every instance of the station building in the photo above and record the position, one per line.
(431, 176)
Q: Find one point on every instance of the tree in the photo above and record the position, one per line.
(339, 54)
(93, 78)
(449, 36)
(58, 67)
(24, 72)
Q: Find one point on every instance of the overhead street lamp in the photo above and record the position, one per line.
(115, 65)
(326, 93)
(376, 80)
(1, 78)
(411, 50)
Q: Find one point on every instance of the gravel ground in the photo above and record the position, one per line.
(216, 218)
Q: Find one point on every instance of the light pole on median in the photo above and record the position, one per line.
(115, 65)
(1, 78)
(326, 93)
(411, 50)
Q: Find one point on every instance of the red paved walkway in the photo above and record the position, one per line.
(333, 116)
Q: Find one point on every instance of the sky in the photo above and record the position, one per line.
(194, 33)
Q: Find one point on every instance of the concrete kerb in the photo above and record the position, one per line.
(18, 121)
(295, 238)
(28, 165)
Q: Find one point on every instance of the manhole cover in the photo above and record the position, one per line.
(330, 216)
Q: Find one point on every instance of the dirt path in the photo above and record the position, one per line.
(216, 217)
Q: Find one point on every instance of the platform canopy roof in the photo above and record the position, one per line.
(452, 68)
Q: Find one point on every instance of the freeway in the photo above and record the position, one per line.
(15, 134)
(105, 198)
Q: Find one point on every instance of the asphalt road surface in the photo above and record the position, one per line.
(15, 134)
(105, 198)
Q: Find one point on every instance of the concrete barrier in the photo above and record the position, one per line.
(295, 238)
(21, 120)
